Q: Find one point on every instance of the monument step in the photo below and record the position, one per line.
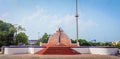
(57, 50)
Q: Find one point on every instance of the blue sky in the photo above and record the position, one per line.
(98, 19)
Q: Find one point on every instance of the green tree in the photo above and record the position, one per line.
(22, 38)
(43, 39)
(19, 28)
(7, 31)
(83, 42)
(118, 45)
(73, 41)
(107, 44)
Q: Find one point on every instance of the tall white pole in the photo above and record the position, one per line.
(77, 22)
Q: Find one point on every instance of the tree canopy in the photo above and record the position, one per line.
(7, 33)
(21, 38)
(43, 39)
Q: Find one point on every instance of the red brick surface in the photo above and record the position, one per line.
(58, 43)
(58, 51)
(59, 38)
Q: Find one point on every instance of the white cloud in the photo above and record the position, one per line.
(4, 15)
(39, 20)
(91, 24)
(87, 24)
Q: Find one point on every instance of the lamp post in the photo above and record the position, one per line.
(15, 34)
(40, 43)
(77, 22)
(38, 35)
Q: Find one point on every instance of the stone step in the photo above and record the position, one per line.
(58, 51)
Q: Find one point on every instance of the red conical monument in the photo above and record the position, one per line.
(59, 38)
(58, 43)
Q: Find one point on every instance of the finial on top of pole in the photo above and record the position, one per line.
(76, 9)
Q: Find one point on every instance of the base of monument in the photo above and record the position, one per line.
(59, 45)
(57, 50)
(60, 50)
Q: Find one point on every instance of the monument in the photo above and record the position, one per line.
(59, 38)
(59, 43)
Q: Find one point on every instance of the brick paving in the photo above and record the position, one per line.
(58, 51)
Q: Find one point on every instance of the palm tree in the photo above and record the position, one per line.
(18, 28)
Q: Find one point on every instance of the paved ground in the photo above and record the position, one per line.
(35, 56)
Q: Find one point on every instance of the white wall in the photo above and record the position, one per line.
(34, 50)
(31, 50)
(82, 50)
(15, 50)
(37, 49)
(102, 51)
(21, 50)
